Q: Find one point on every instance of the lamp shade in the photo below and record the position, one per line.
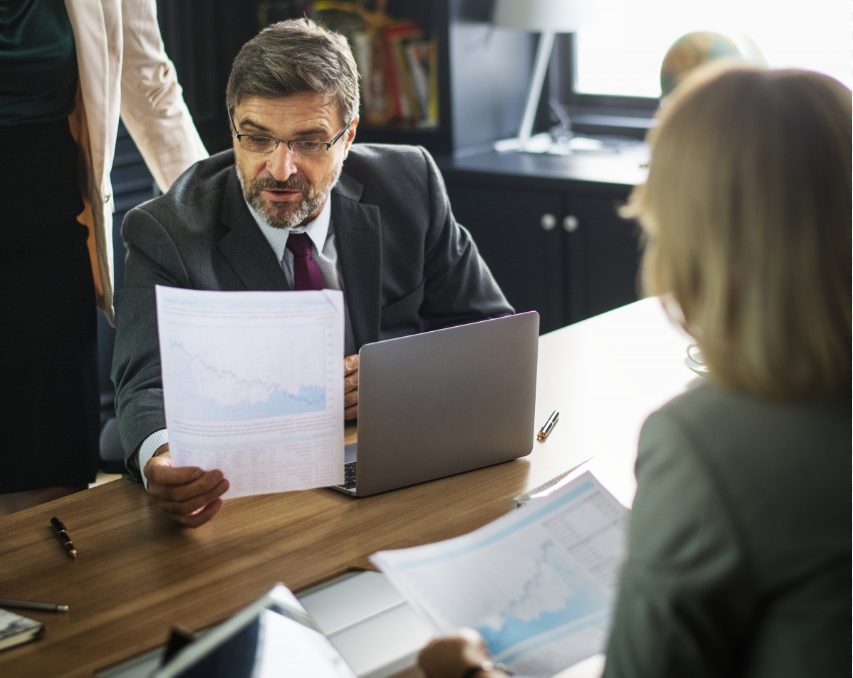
(559, 16)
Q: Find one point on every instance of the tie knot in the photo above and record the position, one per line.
(299, 244)
(306, 273)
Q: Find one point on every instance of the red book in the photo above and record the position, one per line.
(397, 71)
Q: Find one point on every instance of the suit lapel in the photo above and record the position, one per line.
(359, 241)
(244, 246)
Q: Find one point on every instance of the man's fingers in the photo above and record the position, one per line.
(201, 483)
(350, 399)
(201, 517)
(167, 475)
(351, 387)
(351, 383)
(350, 365)
(194, 503)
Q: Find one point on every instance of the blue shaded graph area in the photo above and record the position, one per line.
(554, 596)
(210, 393)
(308, 399)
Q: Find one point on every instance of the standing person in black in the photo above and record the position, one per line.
(60, 99)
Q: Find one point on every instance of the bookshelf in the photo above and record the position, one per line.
(476, 76)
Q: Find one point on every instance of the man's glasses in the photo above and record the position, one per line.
(258, 143)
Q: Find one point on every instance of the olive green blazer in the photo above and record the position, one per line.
(739, 554)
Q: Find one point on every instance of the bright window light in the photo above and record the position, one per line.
(623, 58)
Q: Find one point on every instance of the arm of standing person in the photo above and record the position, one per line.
(152, 104)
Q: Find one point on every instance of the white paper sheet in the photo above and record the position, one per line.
(538, 583)
(253, 385)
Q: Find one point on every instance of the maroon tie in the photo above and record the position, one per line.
(306, 273)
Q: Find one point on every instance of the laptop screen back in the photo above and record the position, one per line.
(444, 402)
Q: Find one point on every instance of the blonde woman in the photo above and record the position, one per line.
(739, 554)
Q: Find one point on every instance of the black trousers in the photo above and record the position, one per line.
(48, 342)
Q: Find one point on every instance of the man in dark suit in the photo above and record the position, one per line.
(374, 220)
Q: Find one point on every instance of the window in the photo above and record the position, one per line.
(621, 59)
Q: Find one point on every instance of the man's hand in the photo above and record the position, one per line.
(189, 495)
(450, 656)
(351, 387)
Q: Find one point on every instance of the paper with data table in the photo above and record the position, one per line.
(253, 385)
(538, 583)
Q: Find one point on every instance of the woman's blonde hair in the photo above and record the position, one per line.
(747, 215)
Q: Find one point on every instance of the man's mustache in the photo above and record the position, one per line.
(292, 184)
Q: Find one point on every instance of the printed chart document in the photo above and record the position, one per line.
(253, 385)
(538, 583)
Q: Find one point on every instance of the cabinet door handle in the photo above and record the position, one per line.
(548, 222)
(571, 223)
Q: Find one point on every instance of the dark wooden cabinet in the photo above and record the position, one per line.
(525, 259)
(601, 255)
(549, 229)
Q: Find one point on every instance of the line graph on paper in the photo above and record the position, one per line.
(240, 378)
(538, 583)
(553, 595)
(527, 583)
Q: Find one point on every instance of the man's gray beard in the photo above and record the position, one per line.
(282, 216)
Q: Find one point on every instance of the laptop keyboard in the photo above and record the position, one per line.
(349, 475)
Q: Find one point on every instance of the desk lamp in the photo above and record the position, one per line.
(548, 17)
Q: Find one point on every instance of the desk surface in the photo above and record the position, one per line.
(138, 574)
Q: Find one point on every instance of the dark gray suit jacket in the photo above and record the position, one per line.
(407, 266)
(739, 547)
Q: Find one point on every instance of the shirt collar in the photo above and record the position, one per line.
(317, 230)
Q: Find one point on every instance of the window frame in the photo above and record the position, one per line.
(592, 113)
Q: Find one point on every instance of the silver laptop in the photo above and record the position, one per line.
(434, 404)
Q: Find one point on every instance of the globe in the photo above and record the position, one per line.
(694, 49)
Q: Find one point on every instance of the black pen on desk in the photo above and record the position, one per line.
(30, 605)
(63, 536)
(548, 425)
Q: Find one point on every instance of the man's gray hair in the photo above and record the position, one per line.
(295, 57)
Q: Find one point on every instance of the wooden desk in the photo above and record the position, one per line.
(138, 573)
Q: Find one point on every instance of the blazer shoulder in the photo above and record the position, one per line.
(378, 173)
(199, 190)
(747, 442)
(386, 159)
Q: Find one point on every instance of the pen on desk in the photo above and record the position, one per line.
(548, 425)
(63, 536)
(30, 605)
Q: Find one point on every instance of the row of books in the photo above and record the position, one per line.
(397, 61)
